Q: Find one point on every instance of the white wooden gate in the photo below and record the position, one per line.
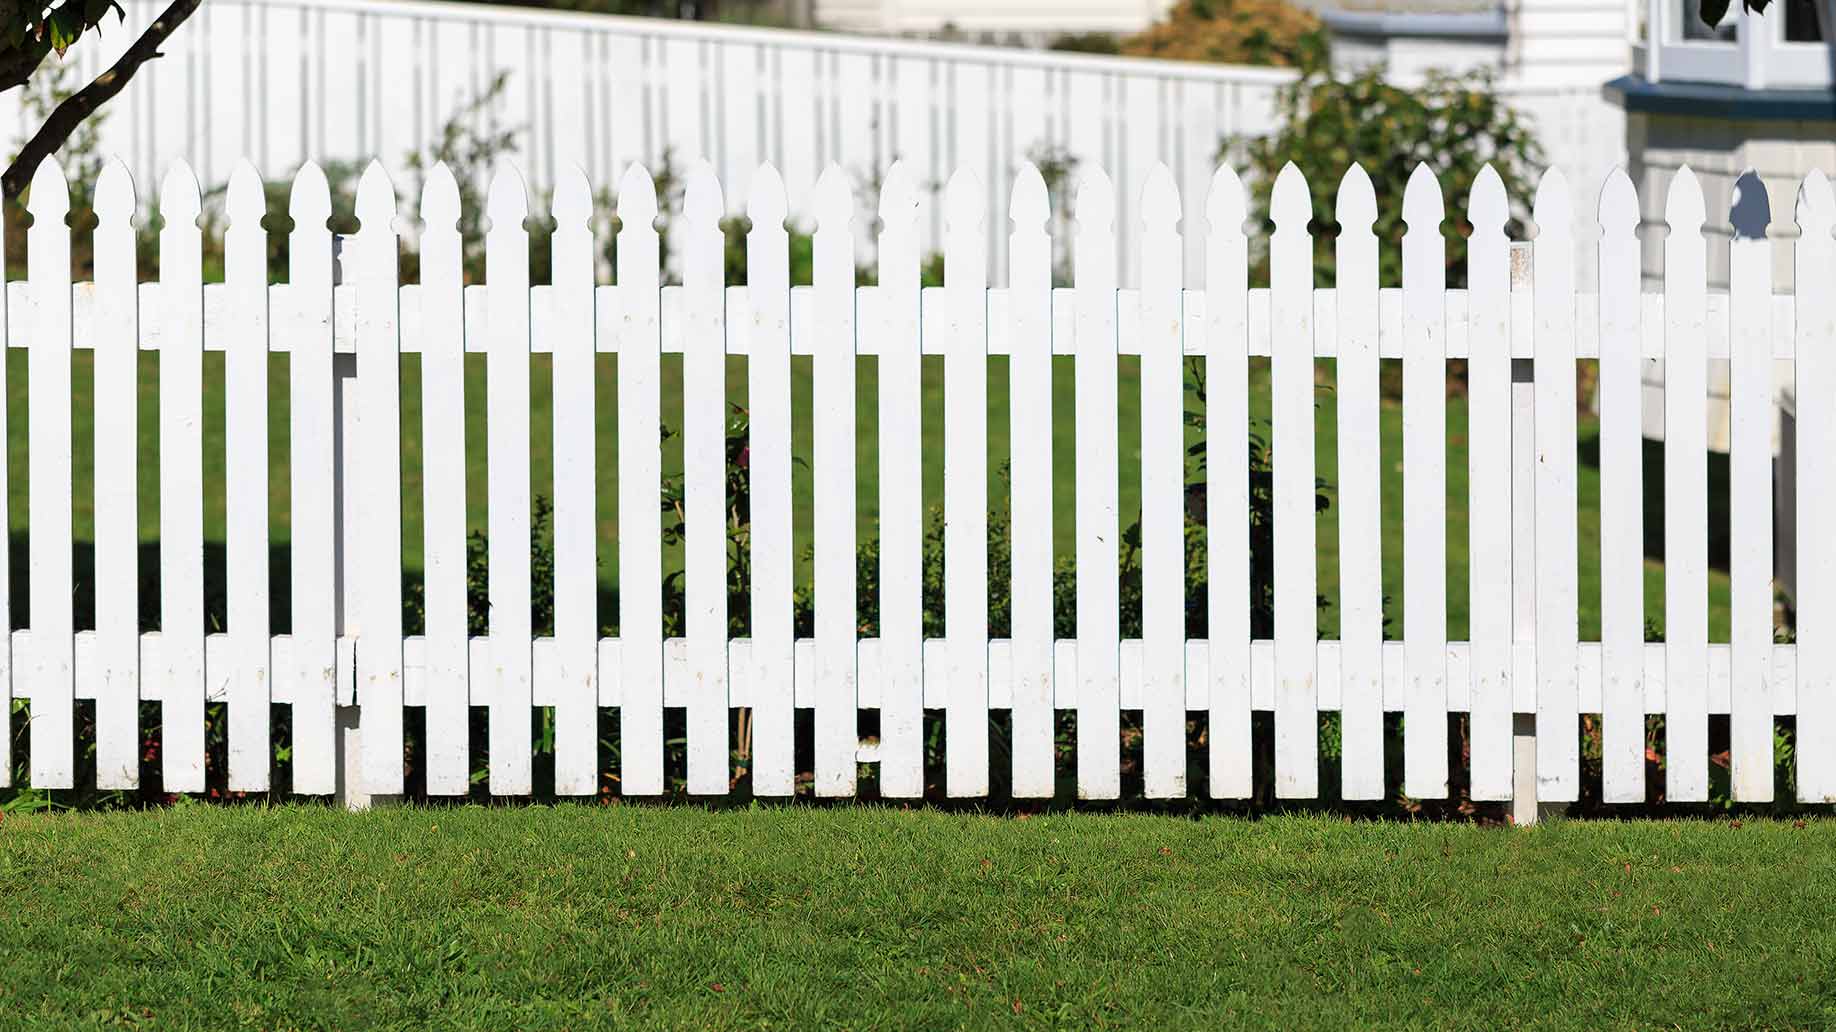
(347, 660)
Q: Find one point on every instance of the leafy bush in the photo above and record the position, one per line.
(1453, 125)
(1253, 32)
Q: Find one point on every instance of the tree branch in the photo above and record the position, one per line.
(17, 67)
(81, 104)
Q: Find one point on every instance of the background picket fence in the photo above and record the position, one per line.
(282, 81)
(346, 658)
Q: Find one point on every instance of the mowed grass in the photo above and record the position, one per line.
(605, 433)
(870, 918)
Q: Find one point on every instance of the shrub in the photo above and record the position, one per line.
(1454, 126)
(1254, 32)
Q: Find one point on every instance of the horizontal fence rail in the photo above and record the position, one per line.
(344, 321)
(341, 81)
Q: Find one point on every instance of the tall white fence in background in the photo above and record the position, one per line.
(1521, 340)
(284, 81)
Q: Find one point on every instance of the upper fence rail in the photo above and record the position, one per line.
(282, 82)
(1196, 662)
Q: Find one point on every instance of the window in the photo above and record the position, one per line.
(1782, 49)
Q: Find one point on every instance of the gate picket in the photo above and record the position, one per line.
(1360, 499)
(1488, 444)
(1685, 494)
(901, 492)
(181, 485)
(1558, 757)
(1815, 255)
(1750, 404)
(640, 477)
(1099, 654)
(1424, 255)
(1163, 491)
(1291, 430)
(1227, 488)
(245, 402)
(965, 333)
(1029, 384)
(117, 482)
(52, 670)
(834, 457)
(576, 513)
(1622, 529)
(704, 477)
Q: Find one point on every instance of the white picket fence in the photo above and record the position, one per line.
(346, 657)
(285, 81)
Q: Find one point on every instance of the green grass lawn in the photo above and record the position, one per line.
(868, 478)
(868, 918)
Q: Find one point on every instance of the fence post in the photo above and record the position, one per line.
(347, 733)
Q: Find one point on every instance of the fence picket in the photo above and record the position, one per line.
(52, 670)
(1558, 757)
(833, 454)
(6, 563)
(117, 481)
(1424, 254)
(901, 492)
(1359, 501)
(965, 333)
(1622, 530)
(181, 485)
(768, 450)
(447, 632)
(576, 518)
(704, 464)
(245, 402)
(1685, 494)
(1099, 653)
(378, 483)
(640, 477)
(1750, 400)
(1488, 444)
(1163, 491)
(1815, 452)
(1291, 430)
(311, 470)
(1029, 385)
(1227, 527)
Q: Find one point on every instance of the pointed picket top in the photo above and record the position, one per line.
(765, 204)
(702, 204)
(440, 200)
(1618, 213)
(1488, 207)
(1096, 201)
(963, 198)
(637, 199)
(965, 236)
(1290, 202)
(1816, 209)
(1030, 206)
(1551, 210)
(375, 200)
(1224, 208)
(1683, 205)
(507, 202)
(50, 193)
(1421, 206)
(1749, 209)
(178, 196)
(114, 192)
(246, 202)
(309, 203)
(834, 200)
(573, 202)
(1160, 208)
(1356, 209)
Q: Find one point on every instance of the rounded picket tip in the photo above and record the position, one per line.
(834, 199)
(1290, 202)
(1030, 205)
(573, 202)
(1683, 206)
(1487, 206)
(115, 191)
(1816, 211)
(310, 200)
(765, 204)
(1096, 200)
(1357, 200)
(637, 199)
(248, 202)
(375, 199)
(440, 199)
(178, 196)
(1551, 209)
(1750, 210)
(1160, 197)
(1618, 204)
(898, 195)
(1224, 207)
(50, 191)
(963, 197)
(1421, 204)
(702, 204)
(507, 202)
